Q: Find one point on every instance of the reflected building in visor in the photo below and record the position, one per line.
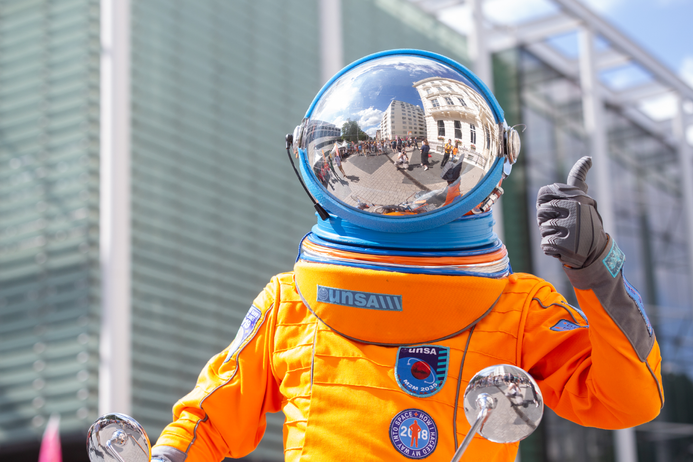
(412, 94)
(456, 112)
(324, 134)
(403, 120)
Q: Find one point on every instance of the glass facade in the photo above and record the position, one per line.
(49, 87)
(370, 26)
(216, 208)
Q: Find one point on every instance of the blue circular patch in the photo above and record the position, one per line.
(414, 434)
(422, 370)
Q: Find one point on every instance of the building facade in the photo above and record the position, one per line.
(456, 114)
(402, 120)
(49, 189)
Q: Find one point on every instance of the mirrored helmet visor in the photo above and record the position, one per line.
(363, 139)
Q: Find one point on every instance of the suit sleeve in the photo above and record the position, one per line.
(224, 415)
(604, 373)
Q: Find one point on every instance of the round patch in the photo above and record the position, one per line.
(414, 434)
(421, 370)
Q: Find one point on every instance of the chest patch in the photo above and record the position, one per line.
(565, 326)
(422, 370)
(244, 332)
(414, 434)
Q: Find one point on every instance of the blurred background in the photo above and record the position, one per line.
(146, 198)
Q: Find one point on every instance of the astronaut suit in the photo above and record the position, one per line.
(403, 293)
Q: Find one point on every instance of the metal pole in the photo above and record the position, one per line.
(331, 40)
(483, 68)
(484, 403)
(114, 238)
(684, 158)
(595, 126)
(478, 52)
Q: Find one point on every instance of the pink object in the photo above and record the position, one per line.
(50, 444)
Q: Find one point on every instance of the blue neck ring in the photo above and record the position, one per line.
(467, 232)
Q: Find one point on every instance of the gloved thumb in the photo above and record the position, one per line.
(578, 174)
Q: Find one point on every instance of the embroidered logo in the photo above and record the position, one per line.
(422, 370)
(614, 260)
(635, 295)
(246, 329)
(414, 434)
(356, 299)
(566, 326)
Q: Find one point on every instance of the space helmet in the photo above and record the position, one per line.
(361, 141)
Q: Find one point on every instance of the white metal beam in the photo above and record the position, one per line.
(610, 58)
(554, 59)
(623, 51)
(478, 52)
(655, 129)
(634, 94)
(620, 41)
(530, 32)
(541, 29)
(560, 63)
(114, 240)
(595, 128)
(605, 60)
(435, 6)
(685, 157)
(483, 68)
(331, 39)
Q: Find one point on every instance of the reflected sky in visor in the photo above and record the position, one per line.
(401, 97)
(364, 92)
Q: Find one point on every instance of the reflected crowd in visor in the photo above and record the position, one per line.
(401, 136)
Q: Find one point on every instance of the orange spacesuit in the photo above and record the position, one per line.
(331, 367)
(368, 345)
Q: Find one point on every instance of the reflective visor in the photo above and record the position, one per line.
(401, 135)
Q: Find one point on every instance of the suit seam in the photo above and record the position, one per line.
(659, 385)
(559, 305)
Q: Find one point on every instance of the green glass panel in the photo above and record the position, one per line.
(48, 205)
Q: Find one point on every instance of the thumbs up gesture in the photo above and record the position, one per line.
(571, 228)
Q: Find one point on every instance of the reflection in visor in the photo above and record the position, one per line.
(365, 134)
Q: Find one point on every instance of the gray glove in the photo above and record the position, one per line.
(571, 228)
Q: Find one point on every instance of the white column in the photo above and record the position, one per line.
(114, 238)
(686, 170)
(483, 68)
(331, 40)
(626, 446)
(595, 126)
(478, 52)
